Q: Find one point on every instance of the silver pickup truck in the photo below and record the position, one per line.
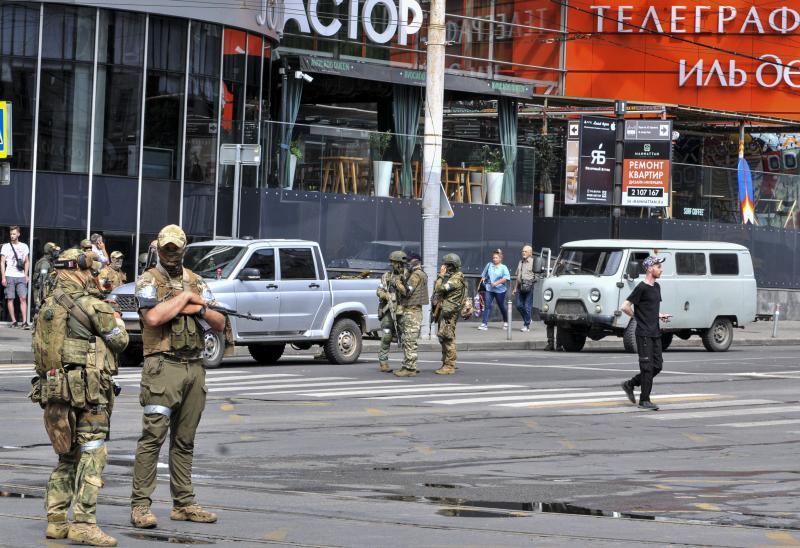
(283, 282)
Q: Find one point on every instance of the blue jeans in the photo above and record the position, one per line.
(501, 302)
(524, 302)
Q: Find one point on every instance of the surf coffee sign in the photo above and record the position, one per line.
(403, 18)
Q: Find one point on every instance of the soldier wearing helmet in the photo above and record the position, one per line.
(449, 292)
(43, 270)
(413, 291)
(390, 312)
(76, 340)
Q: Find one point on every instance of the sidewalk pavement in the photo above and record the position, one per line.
(15, 344)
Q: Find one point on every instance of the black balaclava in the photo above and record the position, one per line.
(172, 261)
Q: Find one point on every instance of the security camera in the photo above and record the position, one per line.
(300, 74)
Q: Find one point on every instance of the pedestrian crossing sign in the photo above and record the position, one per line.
(5, 129)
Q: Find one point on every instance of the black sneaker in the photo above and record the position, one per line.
(628, 389)
(549, 347)
(26, 325)
(13, 324)
(648, 405)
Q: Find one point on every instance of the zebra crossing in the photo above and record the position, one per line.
(688, 406)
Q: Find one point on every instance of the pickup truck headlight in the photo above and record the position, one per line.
(594, 295)
(548, 295)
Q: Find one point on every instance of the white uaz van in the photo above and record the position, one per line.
(708, 287)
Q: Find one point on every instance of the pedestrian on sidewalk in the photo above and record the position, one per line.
(643, 305)
(495, 278)
(14, 273)
(524, 279)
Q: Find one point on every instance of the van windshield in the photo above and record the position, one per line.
(204, 260)
(588, 262)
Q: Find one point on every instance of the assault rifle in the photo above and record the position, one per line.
(222, 309)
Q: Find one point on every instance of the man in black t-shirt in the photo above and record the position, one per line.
(643, 305)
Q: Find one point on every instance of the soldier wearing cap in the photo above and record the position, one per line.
(173, 309)
(42, 271)
(449, 291)
(75, 342)
(390, 312)
(644, 305)
(112, 276)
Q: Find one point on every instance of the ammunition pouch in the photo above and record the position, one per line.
(35, 395)
(184, 335)
(59, 422)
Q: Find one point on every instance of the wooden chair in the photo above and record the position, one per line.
(416, 184)
(455, 178)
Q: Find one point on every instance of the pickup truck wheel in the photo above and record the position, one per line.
(344, 344)
(214, 349)
(719, 336)
(629, 337)
(570, 340)
(666, 340)
(266, 354)
(131, 356)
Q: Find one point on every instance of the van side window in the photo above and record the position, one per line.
(724, 264)
(690, 264)
(264, 261)
(297, 264)
(639, 257)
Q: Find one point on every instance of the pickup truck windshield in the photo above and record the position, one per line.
(204, 260)
(588, 262)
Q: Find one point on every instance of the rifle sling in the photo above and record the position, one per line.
(74, 308)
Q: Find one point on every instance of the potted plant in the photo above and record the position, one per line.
(544, 161)
(295, 155)
(381, 169)
(494, 166)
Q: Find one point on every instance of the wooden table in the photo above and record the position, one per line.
(340, 168)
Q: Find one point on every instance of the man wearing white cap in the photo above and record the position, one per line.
(643, 305)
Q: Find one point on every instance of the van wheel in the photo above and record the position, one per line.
(213, 349)
(666, 340)
(719, 336)
(344, 344)
(629, 337)
(266, 354)
(570, 340)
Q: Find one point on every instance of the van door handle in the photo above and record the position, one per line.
(686, 305)
(314, 286)
(272, 286)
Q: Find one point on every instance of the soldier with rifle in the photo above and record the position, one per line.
(413, 291)
(44, 274)
(449, 292)
(390, 312)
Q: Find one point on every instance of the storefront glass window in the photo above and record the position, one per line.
(19, 36)
(66, 90)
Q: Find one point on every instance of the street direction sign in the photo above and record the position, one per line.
(247, 155)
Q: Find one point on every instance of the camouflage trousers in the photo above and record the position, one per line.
(446, 331)
(387, 333)
(77, 479)
(173, 394)
(410, 327)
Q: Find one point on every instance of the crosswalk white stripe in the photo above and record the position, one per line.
(416, 388)
(211, 382)
(530, 397)
(551, 403)
(668, 406)
(229, 378)
(726, 413)
(759, 423)
(297, 389)
(17, 371)
(491, 392)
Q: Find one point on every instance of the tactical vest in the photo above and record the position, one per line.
(182, 337)
(419, 281)
(74, 365)
(115, 278)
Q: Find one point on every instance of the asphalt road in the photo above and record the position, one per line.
(516, 448)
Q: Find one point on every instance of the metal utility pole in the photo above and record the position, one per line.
(432, 144)
(616, 212)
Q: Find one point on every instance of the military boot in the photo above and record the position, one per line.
(385, 368)
(143, 518)
(445, 370)
(405, 373)
(91, 534)
(193, 512)
(57, 528)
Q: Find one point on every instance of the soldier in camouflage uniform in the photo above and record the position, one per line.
(173, 307)
(75, 342)
(42, 271)
(413, 291)
(448, 297)
(390, 312)
(112, 276)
